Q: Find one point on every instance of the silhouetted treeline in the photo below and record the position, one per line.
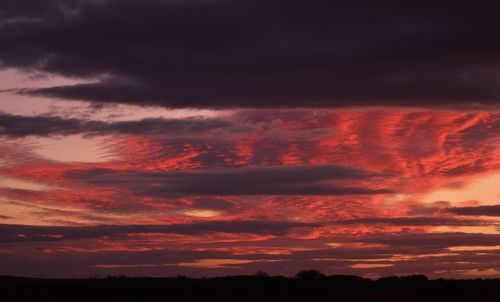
(305, 286)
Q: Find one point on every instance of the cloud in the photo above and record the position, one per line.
(64, 260)
(258, 180)
(249, 53)
(21, 126)
(212, 204)
(416, 221)
(27, 233)
(5, 217)
(493, 210)
(436, 240)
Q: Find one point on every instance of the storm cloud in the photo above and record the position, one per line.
(221, 54)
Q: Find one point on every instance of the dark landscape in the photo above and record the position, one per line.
(305, 286)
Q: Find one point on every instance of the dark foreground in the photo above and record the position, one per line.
(250, 288)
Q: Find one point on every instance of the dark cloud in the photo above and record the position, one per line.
(417, 221)
(272, 53)
(20, 126)
(212, 204)
(25, 233)
(270, 180)
(5, 217)
(34, 9)
(493, 210)
(437, 240)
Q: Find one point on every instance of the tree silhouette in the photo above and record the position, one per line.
(261, 274)
(311, 274)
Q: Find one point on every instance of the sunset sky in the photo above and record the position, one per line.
(213, 137)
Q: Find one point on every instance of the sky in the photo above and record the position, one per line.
(213, 137)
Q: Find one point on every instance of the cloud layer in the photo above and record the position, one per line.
(292, 170)
(220, 54)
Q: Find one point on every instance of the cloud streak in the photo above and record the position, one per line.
(493, 210)
(23, 233)
(17, 126)
(418, 221)
(259, 180)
